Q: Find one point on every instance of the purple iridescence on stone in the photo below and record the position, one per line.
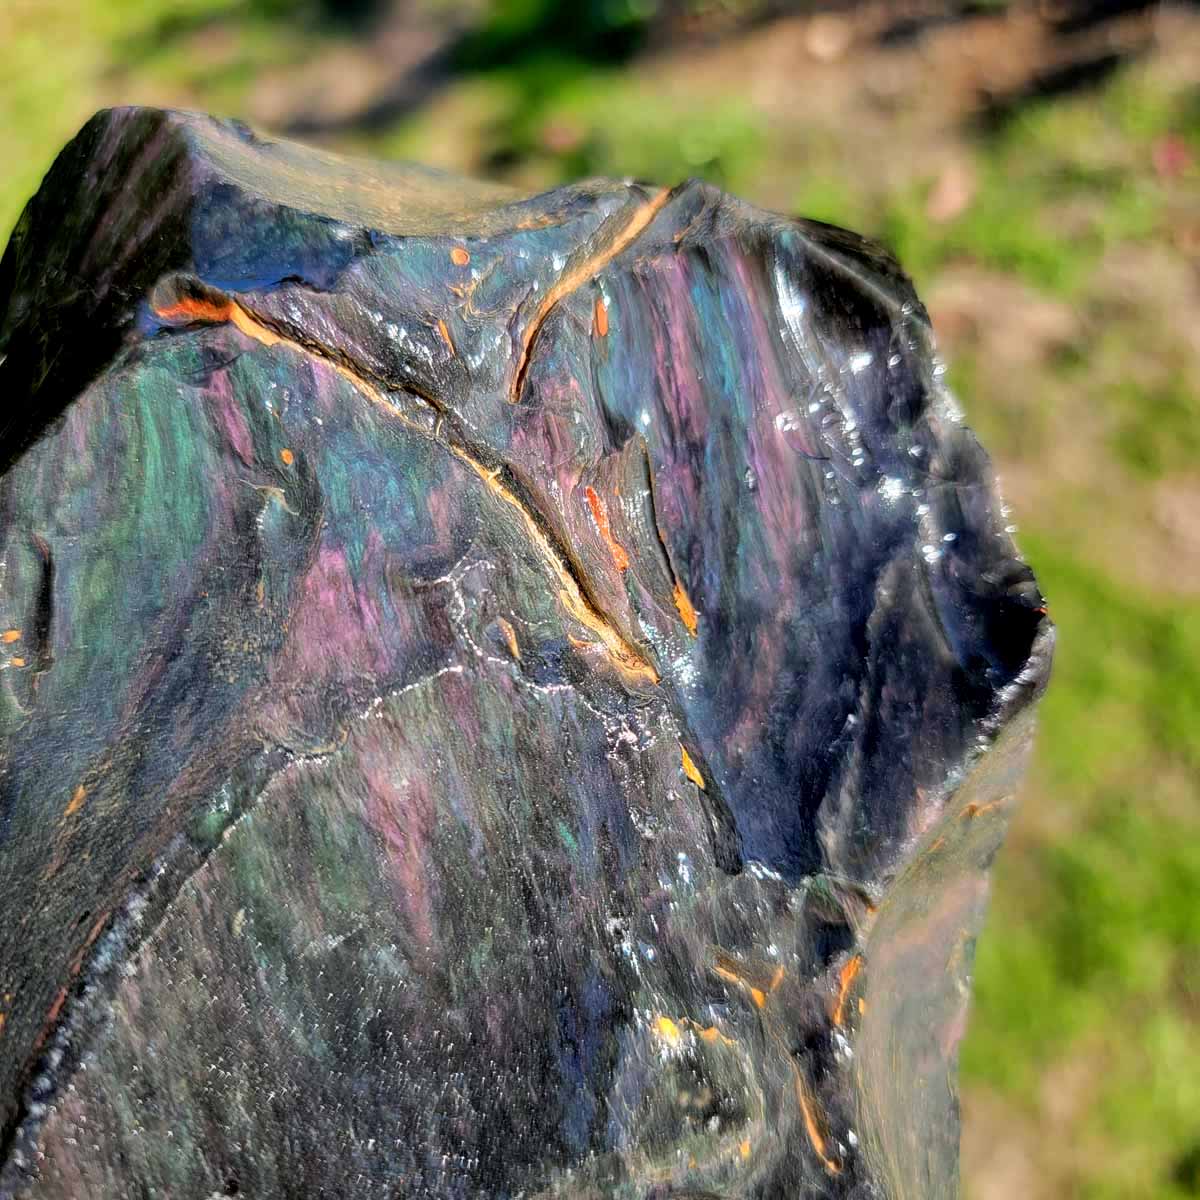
(500, 695)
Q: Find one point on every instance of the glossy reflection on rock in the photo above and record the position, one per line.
(502, 696)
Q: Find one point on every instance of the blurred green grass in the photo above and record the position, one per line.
(1064, 283)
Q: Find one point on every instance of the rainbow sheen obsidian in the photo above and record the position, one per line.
(501, 696)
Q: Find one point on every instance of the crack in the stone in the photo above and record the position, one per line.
(187, 301)
(577, 275)
(574, 592)
(683, 602)
(203, 304)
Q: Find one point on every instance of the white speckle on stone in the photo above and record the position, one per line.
(792, 302)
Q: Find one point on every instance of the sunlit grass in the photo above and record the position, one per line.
(64, 60)
(1094, 938)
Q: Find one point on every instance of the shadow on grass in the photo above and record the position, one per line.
(541, 49)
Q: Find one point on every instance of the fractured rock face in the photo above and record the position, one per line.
(502, 695)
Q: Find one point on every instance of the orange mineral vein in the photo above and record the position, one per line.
(579, 274)
(225, 309)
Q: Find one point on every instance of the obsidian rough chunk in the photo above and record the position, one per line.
(500, 695)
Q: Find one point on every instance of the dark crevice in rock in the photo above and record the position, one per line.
(616, 235)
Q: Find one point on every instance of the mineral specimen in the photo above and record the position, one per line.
(500, 695)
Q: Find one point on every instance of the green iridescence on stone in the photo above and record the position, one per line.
(503, 695)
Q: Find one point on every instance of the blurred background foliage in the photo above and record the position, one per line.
(1035, 168)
